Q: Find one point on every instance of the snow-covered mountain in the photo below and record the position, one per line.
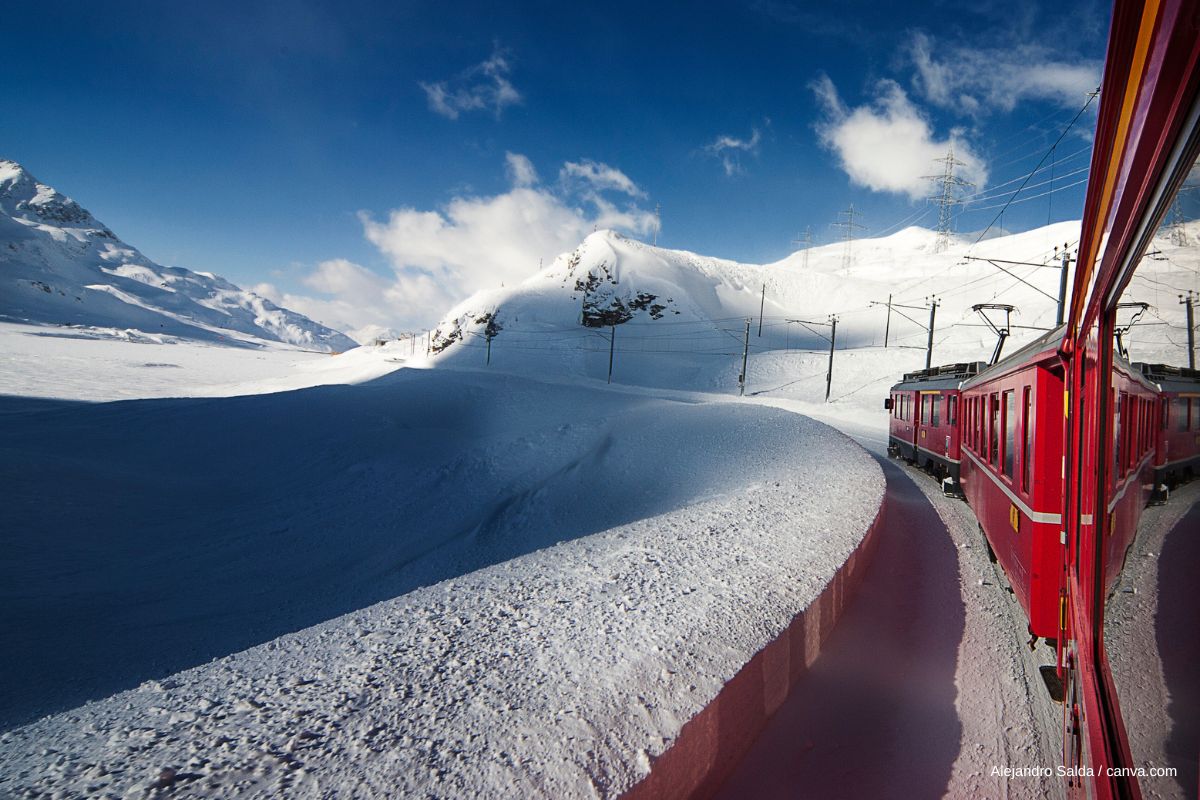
(679, 318)
(60, 265)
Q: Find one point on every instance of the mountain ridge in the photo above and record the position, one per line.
(60, 265)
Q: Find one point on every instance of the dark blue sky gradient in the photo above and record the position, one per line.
(243, 138)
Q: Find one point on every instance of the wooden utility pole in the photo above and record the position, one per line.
(612, 347)
(1062, 284)
(1190, 302)
(887, 326)
(745, 355)
(762, 304)
(933, 305)
(833, 321)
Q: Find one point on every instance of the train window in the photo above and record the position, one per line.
(934, 402)
(994, 439)
(1135, 430)
(1118, 401)
(1026, 438)
(952, 410)
(1146, 559)
(1143, 417)
(969, 422)
(980, 414)
(1130, 424)
(981, 425)
(1010, 431)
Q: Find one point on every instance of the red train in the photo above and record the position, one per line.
(1177, 433)
(1063, 442)
(995, 436)
(1012, 473)
(925, 420)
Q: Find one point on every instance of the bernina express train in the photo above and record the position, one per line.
(1060, 447)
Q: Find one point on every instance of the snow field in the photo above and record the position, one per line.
(558, 673)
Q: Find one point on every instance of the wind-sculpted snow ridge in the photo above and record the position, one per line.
(59, 265)
(559, 673)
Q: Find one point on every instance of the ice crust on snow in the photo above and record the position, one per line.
(558, 673)
(60, 265)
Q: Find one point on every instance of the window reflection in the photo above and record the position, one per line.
(1152, 615)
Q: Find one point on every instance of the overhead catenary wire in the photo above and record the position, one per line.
(1091, 97)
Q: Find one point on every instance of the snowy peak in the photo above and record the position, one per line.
(25, 198)
(60, 265)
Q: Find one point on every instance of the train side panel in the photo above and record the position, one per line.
(1012, 477)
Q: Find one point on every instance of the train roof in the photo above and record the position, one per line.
(1170, 378)
(947, 376)
(1039, 349)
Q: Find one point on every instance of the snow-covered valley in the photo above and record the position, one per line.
(260, 571)
(159, 534)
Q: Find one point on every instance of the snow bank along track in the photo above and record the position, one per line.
(565, 672)
(711, 744)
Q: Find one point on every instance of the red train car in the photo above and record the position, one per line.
(1177, 434)
(1146, 143)
(1011, 473)
(925, 420)
(1134, 419)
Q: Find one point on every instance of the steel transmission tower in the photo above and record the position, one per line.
(1178, 235)
(805, 241)
(947, 185)
(848, 227)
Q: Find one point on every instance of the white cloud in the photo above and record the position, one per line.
(483, 86)
(888, 145)
(353, 299)
(520, 170)
(442, 256)
(598, 177)
(727, 148)
(972, 80)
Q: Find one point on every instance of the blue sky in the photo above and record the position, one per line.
(373, 163)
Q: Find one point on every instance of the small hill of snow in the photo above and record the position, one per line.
(60, 265)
